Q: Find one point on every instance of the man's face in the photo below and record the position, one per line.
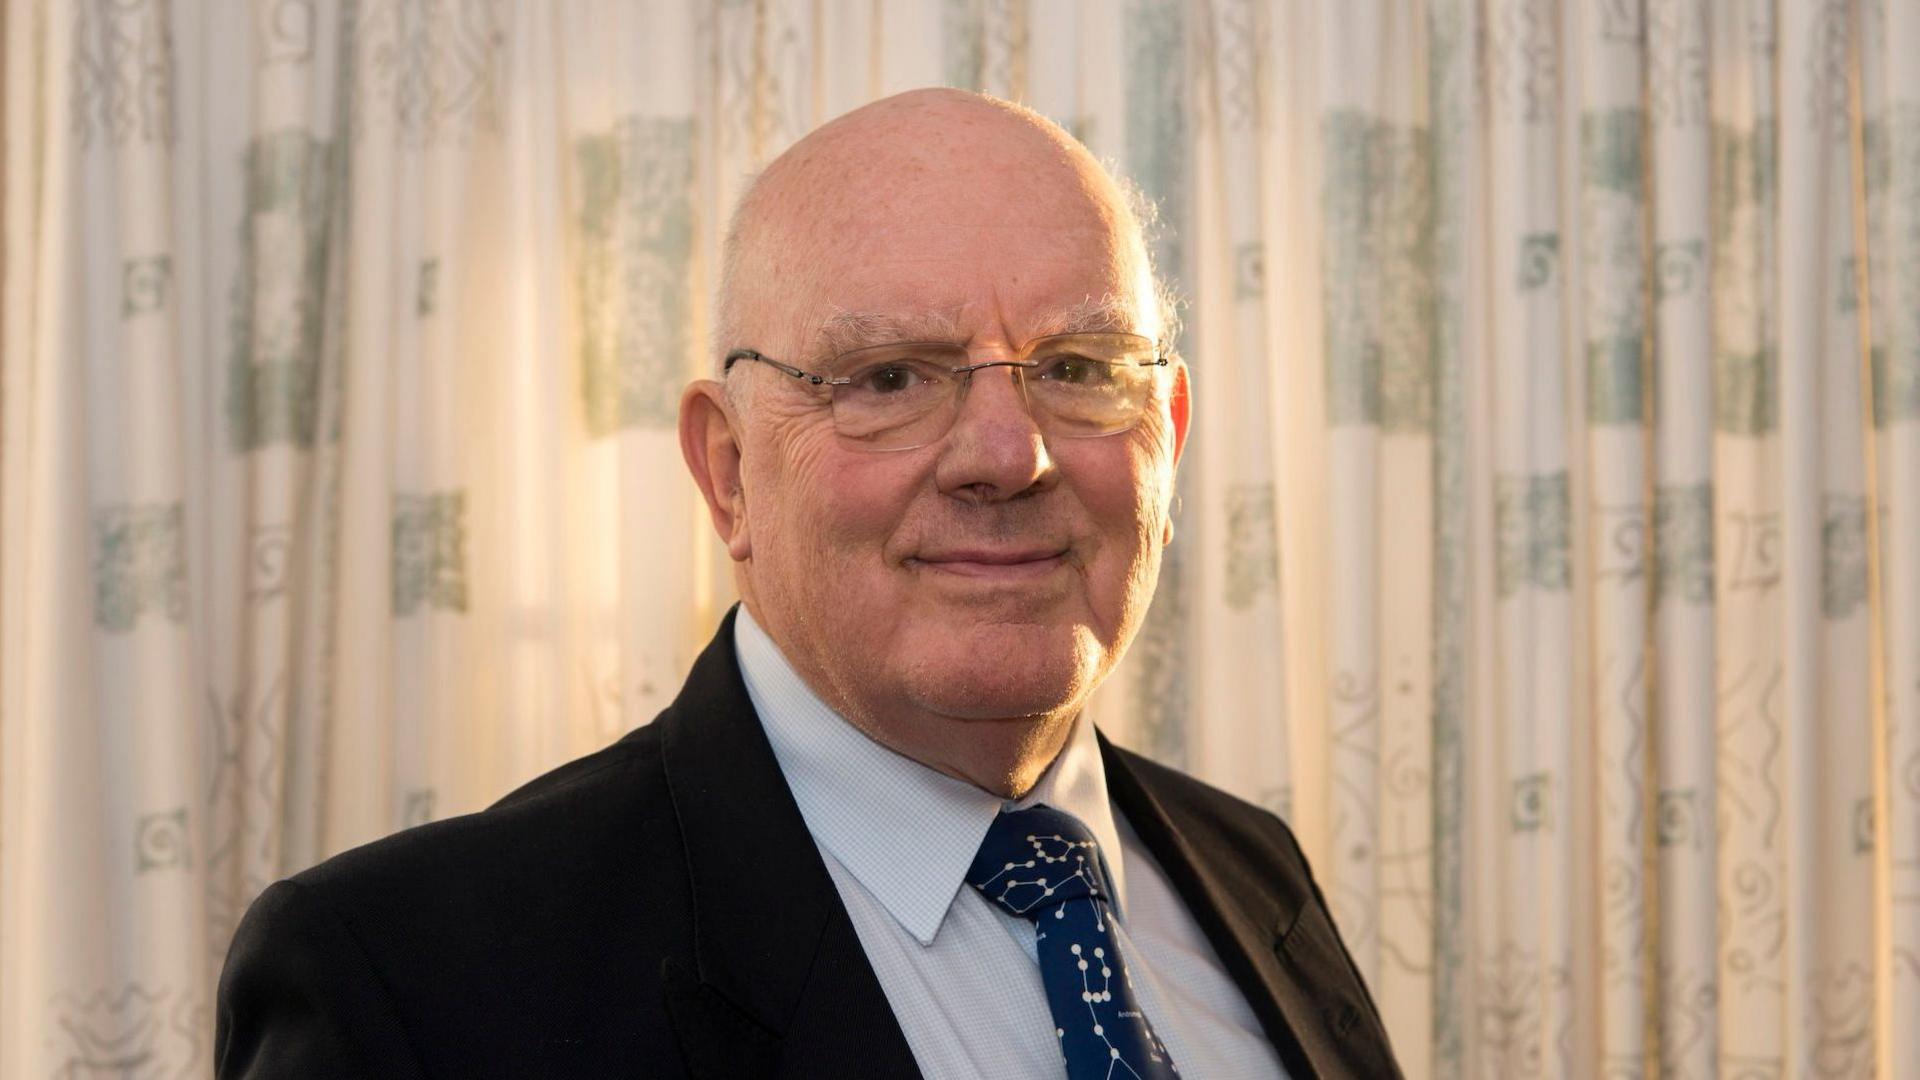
(993, 574)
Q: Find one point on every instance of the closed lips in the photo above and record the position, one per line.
(996, 563)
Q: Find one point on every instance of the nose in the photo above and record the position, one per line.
(995, 451)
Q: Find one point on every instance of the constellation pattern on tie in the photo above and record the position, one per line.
(1042, 877)
(1080, 875)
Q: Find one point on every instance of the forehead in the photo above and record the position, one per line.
(984, 218)
(848, 330)
(964, 280)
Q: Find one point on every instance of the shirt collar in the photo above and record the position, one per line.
(908, 833)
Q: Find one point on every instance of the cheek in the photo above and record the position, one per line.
(827, 505)
(855, 518)
(1126, 488)
(1135, 479)
(1149, 502)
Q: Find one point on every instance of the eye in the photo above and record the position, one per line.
(1076, 370)
(895, 377)
(889, 380)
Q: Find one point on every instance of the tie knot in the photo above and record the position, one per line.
(1034, 860)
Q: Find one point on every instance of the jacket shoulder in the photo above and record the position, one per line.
(567, 813)
(539, 925)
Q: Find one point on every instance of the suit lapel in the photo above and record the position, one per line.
(779, 984)
(1270, 929)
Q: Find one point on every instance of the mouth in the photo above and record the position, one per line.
(995, 566)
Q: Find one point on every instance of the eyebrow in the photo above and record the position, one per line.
(1094, 315)
(849, 330)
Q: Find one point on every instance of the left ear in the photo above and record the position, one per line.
(1182, 409)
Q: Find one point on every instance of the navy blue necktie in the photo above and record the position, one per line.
(1042, 864)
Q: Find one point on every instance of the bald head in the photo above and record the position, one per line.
(899, 187)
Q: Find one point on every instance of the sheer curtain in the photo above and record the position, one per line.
(1549, 544)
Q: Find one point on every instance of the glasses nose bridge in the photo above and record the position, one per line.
(1019, 368)
(963, 392)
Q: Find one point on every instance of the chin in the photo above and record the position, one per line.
(997, 671)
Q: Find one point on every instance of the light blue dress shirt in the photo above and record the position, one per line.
(963, 976)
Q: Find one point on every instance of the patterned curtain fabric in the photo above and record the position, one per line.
(1548, 549)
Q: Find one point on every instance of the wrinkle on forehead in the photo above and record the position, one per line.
(849, 330)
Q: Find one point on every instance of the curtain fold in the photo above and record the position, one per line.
(1548, 546)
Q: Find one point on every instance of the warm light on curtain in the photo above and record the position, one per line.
(1548, 550)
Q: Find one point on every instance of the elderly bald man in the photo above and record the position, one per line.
(875, 834)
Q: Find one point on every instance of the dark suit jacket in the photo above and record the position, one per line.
(658, 909)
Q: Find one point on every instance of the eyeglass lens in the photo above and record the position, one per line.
(1079, 386)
